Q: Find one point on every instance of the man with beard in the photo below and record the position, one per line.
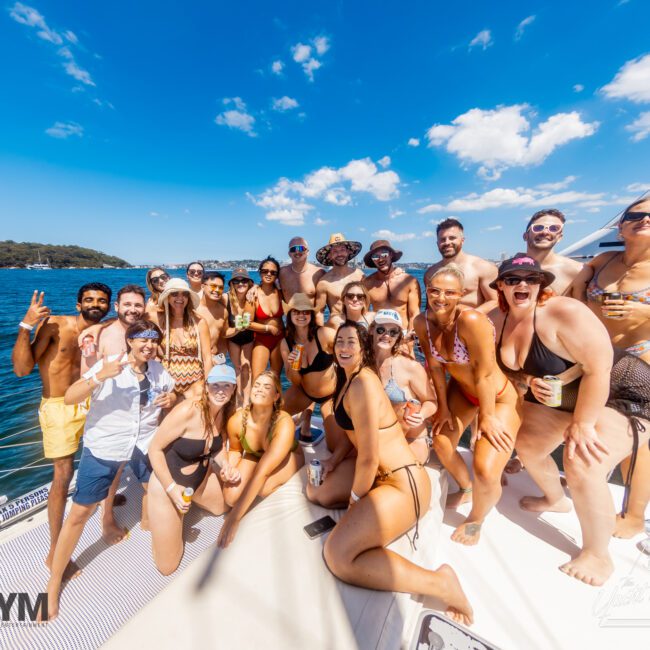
(301, 276)
(214, 312)
(543, 232)
(336, 253)
(478, 272)
(389, 287)
(56, 351)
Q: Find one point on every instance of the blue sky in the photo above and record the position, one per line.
(168, 131)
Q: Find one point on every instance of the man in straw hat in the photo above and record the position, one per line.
(337, 253)
(389, 287)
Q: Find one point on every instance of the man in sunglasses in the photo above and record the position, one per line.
(478, 272)
(212, 309)
(544, 230)
(301, 276)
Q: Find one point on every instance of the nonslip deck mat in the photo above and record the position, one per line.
(116, 581)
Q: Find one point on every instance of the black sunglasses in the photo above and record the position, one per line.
(268, 272)
(383, 330)
(634, 216)
(160, 278)
(514, 280)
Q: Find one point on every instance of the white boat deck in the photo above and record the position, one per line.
(271, 589)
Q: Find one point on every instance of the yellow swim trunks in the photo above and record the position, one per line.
(62, 426)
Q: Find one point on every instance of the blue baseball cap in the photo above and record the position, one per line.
(222, 373)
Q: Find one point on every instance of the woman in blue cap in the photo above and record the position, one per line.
(180, 453)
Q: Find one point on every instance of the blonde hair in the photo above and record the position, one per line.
(450, 269)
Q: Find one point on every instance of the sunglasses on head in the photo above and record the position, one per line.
(384, 330)
(514, 280)
(268, 272)
(159, 278)
(634, 216)
(355, 296)
(540, 227)
(297, 249)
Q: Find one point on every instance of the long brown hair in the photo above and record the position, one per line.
(147, 280)
(312, 328)
(278, 403)
(226, 411)
(367, 354)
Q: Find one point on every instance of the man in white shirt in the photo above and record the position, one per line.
(128, 393)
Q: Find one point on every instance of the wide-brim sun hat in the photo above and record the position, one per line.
(522, 262)
(388, 317)
(323, 254)
(299, 302)
(380, 243)
(240, 273)
(222, 373)
(178, 284)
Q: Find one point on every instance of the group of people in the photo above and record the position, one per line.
(538, 351)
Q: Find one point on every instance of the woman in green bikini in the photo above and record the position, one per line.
(263, 449)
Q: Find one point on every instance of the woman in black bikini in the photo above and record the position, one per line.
(384, 487)
(263, 451)
(315, 380)
(180, 454)
(540, 334)
(460, 340)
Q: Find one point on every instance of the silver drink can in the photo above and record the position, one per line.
(315, 472)
(556, 386)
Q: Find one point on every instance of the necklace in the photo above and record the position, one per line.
(298, 272)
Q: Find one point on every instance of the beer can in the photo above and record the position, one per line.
(556, 387)
(246, 319)
(315, 472)
(612, 295)
(297, 362)
(188, 493)
(239, 322)
(412, 406)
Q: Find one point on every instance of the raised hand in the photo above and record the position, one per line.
(37, 310)
(112, 368)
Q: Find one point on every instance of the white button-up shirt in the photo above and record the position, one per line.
(116, 422)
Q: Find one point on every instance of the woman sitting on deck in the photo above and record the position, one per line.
(539, 336)
(460, 340)
(405, 382)
(181, 453)
(385, 488)
(263, 451)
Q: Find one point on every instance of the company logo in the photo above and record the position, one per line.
(27, 609)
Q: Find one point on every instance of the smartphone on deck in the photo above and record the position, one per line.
(319, 527)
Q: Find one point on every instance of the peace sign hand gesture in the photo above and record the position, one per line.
(37, 310)
(112, 368)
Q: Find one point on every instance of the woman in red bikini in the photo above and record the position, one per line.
(460, 341)
(267, 325)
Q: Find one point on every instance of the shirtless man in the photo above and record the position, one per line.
(543, 232)
(478, 272)
(214, 312)
(336, 253)
(389, 287)
(56, 351)
(301, 276)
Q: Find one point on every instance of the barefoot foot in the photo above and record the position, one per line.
(589, 568)
(53, 595)
(514, 465)
(112, 533)
(542, 504)
(456, 499)
(458, 607)
(628, 526)
(468, 533)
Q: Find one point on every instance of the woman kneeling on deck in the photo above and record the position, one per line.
(541, 336)
(180, 453)
(460, 340)
(386, 488)
(263, 450)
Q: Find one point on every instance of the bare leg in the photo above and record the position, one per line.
(209, 495)
(144, 517)
(334, 491)
(246, 356)
(541, 433)
(633, 522)
(260, 359)
(56, 500)
(283, 472)
(276, 360)
(65, 546)
(166, 524)
(111, 532)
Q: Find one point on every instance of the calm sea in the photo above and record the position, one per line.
(20, 397)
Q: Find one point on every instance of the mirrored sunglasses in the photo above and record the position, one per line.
(297, 249)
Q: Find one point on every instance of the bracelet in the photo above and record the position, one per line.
(25, 326)
(266, 328)
(98, 382)
(170, 487)
(354, 496)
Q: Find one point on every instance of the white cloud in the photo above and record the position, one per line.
(286, 201)
(578, 88)
(521, 27)
(500, 198)
(577, 220)
(413, 142)
(309, 55)
(26, 15)
(631, 82)
(560, 185)
(237, 118)
(483, 39)
(493, 228)
(498, 139)
(63, 130)
(393, 214)
(384, 162)
(320, 222)
(154, 214)
(277, 67)
(638, 187)
(394, 236)
(429, 233)
(284, 104)
(640, 128)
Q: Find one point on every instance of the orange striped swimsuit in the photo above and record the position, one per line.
(184, 363)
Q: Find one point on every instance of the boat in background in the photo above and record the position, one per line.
(40, 265)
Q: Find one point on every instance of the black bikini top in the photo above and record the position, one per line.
(340, 414)
(322, 360)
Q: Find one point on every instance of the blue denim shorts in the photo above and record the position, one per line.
(94, 476)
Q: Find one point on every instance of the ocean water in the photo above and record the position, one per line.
(20, 397)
